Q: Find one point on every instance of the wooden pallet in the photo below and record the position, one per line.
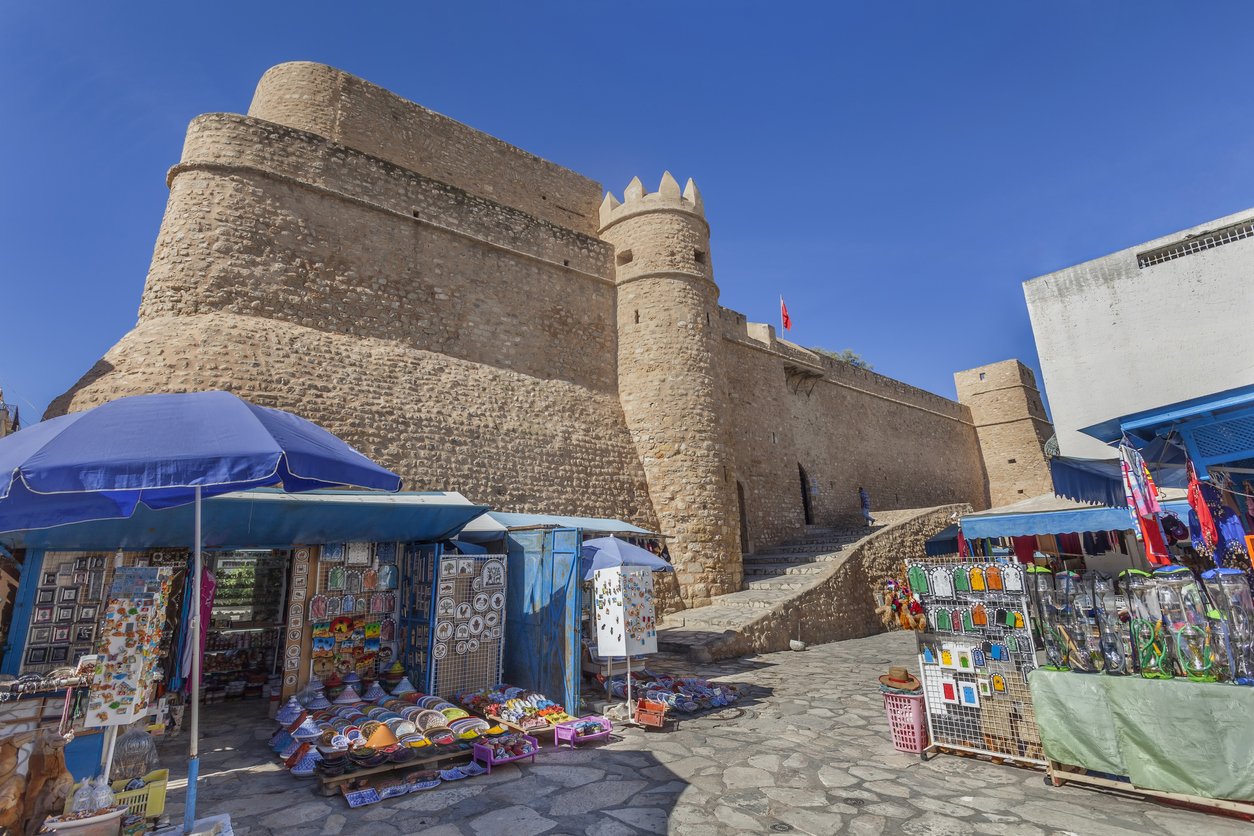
(1060, 774)
(332, 784)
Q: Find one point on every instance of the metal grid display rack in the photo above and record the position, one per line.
(975, 656)
(468, 636)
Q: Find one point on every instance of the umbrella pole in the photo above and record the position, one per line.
(193, 745)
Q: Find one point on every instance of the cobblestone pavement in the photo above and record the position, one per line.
(806, 753)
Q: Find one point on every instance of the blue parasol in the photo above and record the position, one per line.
(164, 451)
(606, 552)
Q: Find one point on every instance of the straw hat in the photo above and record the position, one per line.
(900, 678)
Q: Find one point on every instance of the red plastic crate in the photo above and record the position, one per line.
(907, 721)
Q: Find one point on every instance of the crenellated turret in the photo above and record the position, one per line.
(668, 378)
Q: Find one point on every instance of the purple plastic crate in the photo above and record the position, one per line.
(565, 732)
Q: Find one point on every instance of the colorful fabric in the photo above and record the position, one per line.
(1137, 482)
(1025, 548)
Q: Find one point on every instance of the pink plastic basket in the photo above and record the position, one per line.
(906, 721)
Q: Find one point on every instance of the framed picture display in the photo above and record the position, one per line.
(96, 563)
(43, 615)
(87, 612)
(84, 633)
(68, 594)
(46, 596)
(59, 654)
(40, 635)
(36, 655)
(81, 563)
(358, 554)
(80, 578)
(78, 651)
(65, 613)
(61, 633)
(49, 579)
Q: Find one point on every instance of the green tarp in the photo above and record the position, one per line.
(1195, 738)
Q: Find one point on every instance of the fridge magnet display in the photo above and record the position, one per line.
(46, 596)
(85, 633)
(49, 579)
(69, 594)
(43, 614)
(36, 655)
(41, 635)
(61, 633)
(65, 613)
(59, 654)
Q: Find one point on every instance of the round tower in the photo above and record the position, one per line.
(668, 380)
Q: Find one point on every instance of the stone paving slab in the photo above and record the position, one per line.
(807, 751)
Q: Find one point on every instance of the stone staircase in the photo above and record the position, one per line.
(784, 586)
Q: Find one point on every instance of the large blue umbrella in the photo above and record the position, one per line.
(164, 451)
(606, 552)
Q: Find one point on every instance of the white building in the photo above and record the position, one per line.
(1160, 322)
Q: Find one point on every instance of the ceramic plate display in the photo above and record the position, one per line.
(318, 607)
(369, 580)
(362, 604)
(466, 566)
(492, 619)
(347, 604)
(498, 601)
(476, 625)
(335, 578)
(446, 608)
(440, 650)
(358, 554)
(463, 631)
(444, 630)
(493, 573)
(464, 611)
(472, 645)
(461, 648)
(481, 602)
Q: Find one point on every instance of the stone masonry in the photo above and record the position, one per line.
(1012, 426)
(463, 312)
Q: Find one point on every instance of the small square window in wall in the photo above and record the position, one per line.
(982, 375)
(1011, 461)
(698, 256)
(623, 258)
(1020, 490)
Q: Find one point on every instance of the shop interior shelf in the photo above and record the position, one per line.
(483, 754)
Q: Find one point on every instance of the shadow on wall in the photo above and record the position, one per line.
(61, 405)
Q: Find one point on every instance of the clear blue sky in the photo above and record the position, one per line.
(894, 170)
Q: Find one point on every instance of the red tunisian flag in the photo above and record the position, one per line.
(783, 315)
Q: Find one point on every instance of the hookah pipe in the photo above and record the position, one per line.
(1147, 635)
(1220, 632)
(1108, 638)
(1049, 637)
(1077, 650)
(1127, 594)
(1196, 666)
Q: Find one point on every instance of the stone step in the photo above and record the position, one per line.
(755, 599)
(812, 567)
(788, 559)
(812, 548)
(790, 582)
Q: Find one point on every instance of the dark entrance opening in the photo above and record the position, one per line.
(744, 518)
(805, 496)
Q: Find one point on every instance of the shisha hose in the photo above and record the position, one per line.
(1195, 663)
(1150, 652)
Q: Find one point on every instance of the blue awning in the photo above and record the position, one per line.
(494, 524)
(1094, 481)
(1045, 514)
(1215, 429)
(942, 543)
(267, 518)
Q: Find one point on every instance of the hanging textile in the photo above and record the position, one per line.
(963, 549)
(1137, 482)
(1202, 497)
(208, 585)
(1155, 548)
(1069, 545)
(1025, 548)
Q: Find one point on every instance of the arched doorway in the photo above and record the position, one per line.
(805, 495)
(744, 518)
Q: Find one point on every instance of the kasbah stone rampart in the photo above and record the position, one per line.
(482, 320)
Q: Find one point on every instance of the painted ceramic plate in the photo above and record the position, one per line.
(472, 645)
(481, 602)
(463, 631)
(446, 608)
(492, 619)
(461, 648)
(464, 611)
(440, 650)
(476, 625)
(498, 601)
(444, 630)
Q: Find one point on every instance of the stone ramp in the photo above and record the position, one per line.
(817, 588)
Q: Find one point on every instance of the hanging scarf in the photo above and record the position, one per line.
(1201, 496)
(1137, 482)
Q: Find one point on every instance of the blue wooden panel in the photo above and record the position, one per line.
(19, 627)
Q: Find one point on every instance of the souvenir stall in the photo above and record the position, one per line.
(67, 570)
(1174, 641)
(547, 609)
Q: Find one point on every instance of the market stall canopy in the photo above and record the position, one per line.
(608, 552)
(494, 524)
(1100, 481)
(269, 518)
(161, 451)
(1044, 514)
(1215, 429)
(946, 542)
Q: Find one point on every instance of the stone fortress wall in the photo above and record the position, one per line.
(462, 311)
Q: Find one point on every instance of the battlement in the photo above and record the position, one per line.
(636, 201)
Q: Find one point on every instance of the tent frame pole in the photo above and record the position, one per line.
(193, 744)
